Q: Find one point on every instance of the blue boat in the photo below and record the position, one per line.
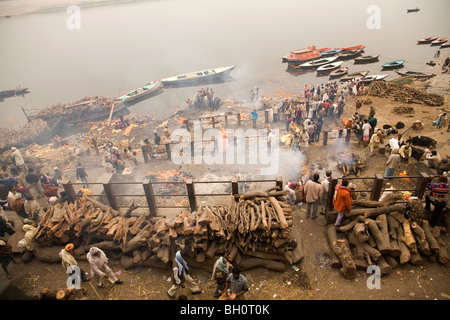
(330, 53)
(393, 64)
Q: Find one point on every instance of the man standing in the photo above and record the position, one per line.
(99, 267)
(82, 175)
(405, 152)
(67, 260)
(342, 200)
(236, 286)
(314, 191)
(326, 185)
(254, 117)
(220, 273)
(181, 276)
(18, 159)
(392, 163)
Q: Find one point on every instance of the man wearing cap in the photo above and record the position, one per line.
(291, 197)
(67, 260)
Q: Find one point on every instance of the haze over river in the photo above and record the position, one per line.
(126, 44)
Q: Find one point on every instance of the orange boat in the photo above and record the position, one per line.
(302, 55)
(352, 48)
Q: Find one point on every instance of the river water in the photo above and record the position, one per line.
(125, 45)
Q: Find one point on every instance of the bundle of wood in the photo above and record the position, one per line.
(404, 94)
(27, 134)
(256, 226)
(384, 235)
(80, 109)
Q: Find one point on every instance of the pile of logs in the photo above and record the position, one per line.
(252, 230)
(73, 110)
(27, 134)
(404, 94)
(385, 235)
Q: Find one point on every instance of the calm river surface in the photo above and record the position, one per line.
(125, 45)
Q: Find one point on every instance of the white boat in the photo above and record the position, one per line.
(329, 67)
(372, 77)
(141, 92)
(317, 63)
(202, 76)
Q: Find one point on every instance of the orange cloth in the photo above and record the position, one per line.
(343, 200)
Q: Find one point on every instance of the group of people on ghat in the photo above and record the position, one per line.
(204, 99)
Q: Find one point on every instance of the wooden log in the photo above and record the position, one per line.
(350, 226)
(405, 253)
(250, 263)
(360, 231)
(101, 205)
(367, 203)
(383, 244)
(384, 229)
(432, 242)
(363, 248)
(298, 253)
(395, 249)
(332, 237)
(373, 212)
(385, 268)
(392, 225)
(391, 261)
(279, 212)
(421, 239)
(408, 237)
(442, 254)
(342, 250)
(416, 259)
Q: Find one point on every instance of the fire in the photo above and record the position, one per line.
(181, 120)
(286, 139)
(245, 116)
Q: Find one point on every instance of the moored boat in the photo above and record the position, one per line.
(372, 77)
(338, 73)
(350, 54)
(427, 40)
(412, 10)
(196, 77)
(141, 92)
(353, 75)
(329, 67)
(415, 74)
(366, 59)
(359, 47)
(440, 41)
(317, 63)
(393, 64)
(13, 92)
(330, 53)
(445, 45)
(299, 56)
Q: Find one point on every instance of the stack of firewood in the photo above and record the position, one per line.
(386, 235)
(255, 226)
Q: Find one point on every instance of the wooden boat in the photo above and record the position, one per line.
(359, 47)
(197, 77)
(338, 73)
(330, 53)
(370, 78)
(412, 10)
(350, 54)
(445, 45)
(299, 56)
(440, 41)
(366, 59)
(393, 64)
(415, 74)
(317, 63)
(354, 75)
(427, 40)
(329, 67)
(141, 92)
(13, 93)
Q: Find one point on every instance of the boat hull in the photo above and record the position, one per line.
(354, 75)
(141, 92)
(197, 77)
(419, 75)
(427, 40)
(393, 65)
(317, 63)
(366, 59)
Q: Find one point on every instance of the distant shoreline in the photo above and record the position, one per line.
(10, 9)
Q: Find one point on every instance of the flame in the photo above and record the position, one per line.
(181, 120)
(286, 139)
(245, 116)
